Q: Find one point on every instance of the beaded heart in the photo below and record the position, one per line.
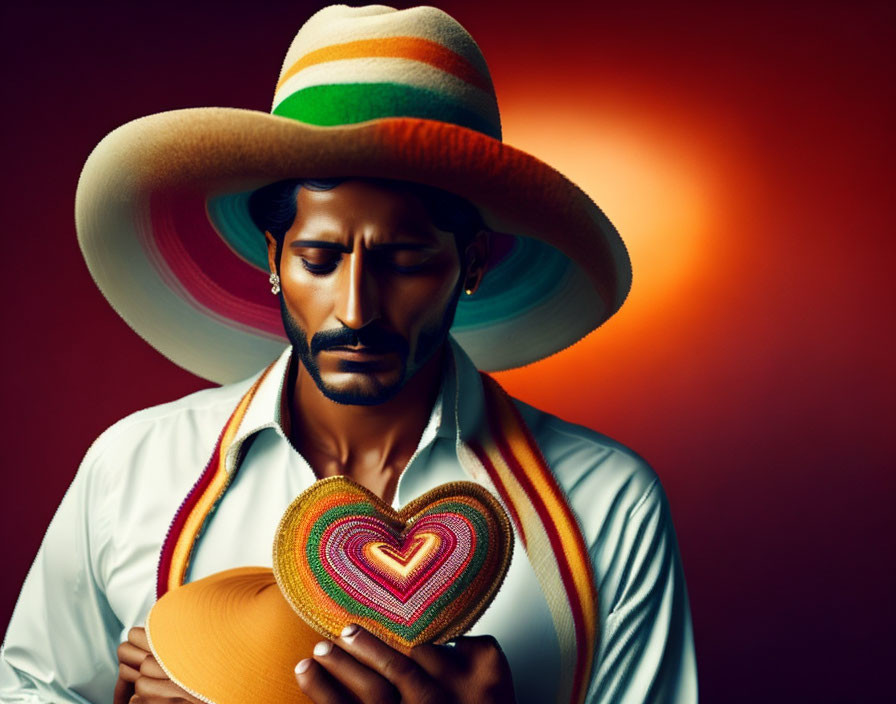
(423, 574)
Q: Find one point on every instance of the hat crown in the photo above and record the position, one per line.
(352, 64)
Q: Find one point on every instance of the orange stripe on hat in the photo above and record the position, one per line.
(414, 48)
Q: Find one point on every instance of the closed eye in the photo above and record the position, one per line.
(320, 261)
(404, 259)
(322, 258)
(319, 269)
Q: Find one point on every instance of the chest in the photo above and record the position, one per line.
(241, 532)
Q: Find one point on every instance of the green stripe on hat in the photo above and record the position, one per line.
(349, 103)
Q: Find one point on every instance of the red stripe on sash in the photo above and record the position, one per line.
(499, 395)
(177, 525)
(502, 490)
(163, 574)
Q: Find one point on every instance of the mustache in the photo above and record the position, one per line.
(373, 337)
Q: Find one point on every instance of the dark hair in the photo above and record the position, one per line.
(273, 208)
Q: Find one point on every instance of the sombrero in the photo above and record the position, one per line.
(162, 217)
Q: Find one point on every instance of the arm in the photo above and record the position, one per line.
(647, 651)
(61, 641)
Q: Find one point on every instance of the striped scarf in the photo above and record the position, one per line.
(503, 455)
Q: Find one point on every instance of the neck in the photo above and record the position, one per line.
(370, 444)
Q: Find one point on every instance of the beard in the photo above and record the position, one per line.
(377, 339)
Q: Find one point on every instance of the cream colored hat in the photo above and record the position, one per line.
(163, 222)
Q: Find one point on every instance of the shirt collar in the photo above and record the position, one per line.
(456, 414)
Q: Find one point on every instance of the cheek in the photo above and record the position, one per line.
(423, 303)
(305, 300)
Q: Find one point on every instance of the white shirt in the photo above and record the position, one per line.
(95, 573)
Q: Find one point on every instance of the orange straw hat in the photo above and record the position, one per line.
(162, 204)
(231, 638)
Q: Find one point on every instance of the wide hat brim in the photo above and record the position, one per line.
(231, 638)
(162, 220)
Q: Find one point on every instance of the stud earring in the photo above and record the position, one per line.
(275, 283)
(468, 291)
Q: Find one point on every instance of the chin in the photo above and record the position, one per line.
(359, 395)
(360, 389)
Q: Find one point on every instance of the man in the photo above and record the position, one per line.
(369, 270)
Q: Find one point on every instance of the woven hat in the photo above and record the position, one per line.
(162, 202)
(231, 638)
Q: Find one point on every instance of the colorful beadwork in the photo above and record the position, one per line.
(419, 575)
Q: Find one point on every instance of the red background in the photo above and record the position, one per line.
(744, 152)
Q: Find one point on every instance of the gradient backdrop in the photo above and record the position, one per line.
(744, 152)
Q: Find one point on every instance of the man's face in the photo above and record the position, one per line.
(369, 287)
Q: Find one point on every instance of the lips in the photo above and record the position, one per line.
(360, 352)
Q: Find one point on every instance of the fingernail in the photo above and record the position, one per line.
(323, 648)
(350, 631)
(303, 665)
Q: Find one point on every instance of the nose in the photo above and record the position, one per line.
(358, 295)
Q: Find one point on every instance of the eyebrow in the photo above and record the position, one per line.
(384, 246)
(322, 244)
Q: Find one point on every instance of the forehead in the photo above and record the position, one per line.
(359, 207)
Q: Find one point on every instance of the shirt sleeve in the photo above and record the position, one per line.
(647, 650)
(62, 638)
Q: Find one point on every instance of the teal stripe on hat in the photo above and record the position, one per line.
(349, 103)
(229, 215)
(530, 274)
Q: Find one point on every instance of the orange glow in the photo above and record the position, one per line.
(663, 190)
(653, 187)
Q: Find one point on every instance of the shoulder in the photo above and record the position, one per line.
(138, 470)
(604, 481)
(584, 459)
(176, 432)
(617, 498)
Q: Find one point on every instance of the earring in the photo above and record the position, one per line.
(468, 291)
(274, 280)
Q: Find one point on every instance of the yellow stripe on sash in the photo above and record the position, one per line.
(553, 539)
(183, 548)
(564, 521)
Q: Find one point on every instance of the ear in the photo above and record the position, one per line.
(273, 264)
(476, 260)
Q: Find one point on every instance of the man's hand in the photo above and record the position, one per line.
(141, 680)
(360, 667)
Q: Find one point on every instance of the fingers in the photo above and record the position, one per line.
(124, 690)
(130, 656)
(365, 684)
(152, 690)
(478, 648)
(486, 667)
(319, 685)
(137, 637)
(359, 667)
(413, 683)
(441, 662)
(150, 668)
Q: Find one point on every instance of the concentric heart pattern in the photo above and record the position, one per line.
(423, 574)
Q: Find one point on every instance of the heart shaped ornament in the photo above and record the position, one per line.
(423, 574)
